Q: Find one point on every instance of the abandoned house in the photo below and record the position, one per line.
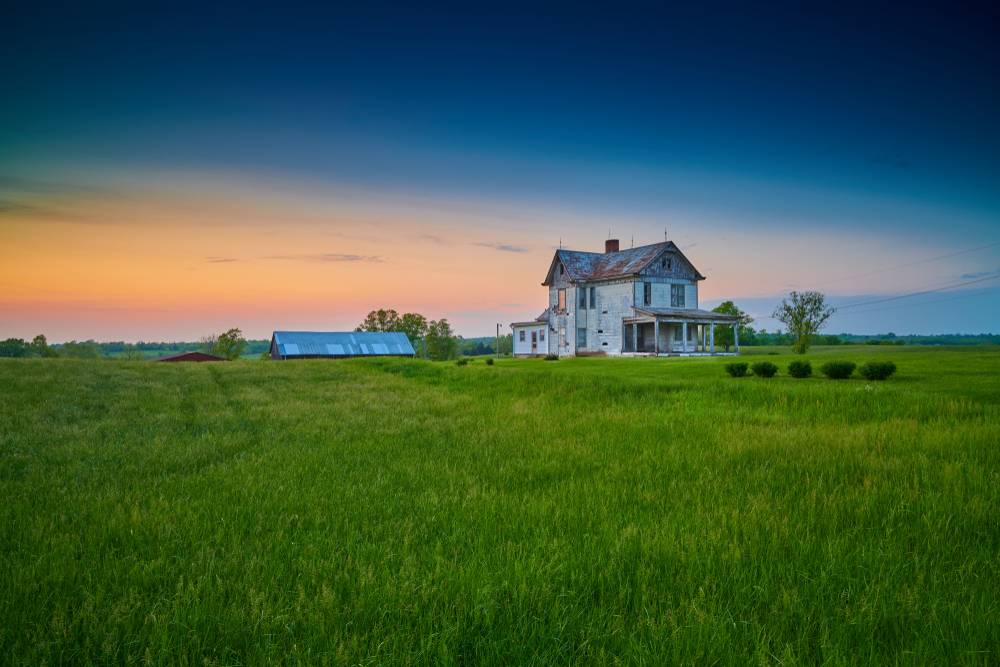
(636, 302)
(335, 345)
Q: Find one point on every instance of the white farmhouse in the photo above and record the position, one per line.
(636, 302)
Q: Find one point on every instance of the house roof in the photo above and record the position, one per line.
(541, 319)
(190, 356)
(354, 343)
(585, 266)
(688, 314)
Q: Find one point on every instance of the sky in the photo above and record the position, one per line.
(176, 170)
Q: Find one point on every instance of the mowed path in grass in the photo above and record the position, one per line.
(585, 511)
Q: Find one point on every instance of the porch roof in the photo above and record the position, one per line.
(682, 314)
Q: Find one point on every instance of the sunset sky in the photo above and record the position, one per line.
(175, 171)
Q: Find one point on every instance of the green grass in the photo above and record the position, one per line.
(589, 511)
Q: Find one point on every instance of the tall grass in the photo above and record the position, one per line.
(594, 511)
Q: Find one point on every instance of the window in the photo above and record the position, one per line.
(562, 336)
(541, 336)
(560, 269)
(677, 296)
(677, 332)
(522, 335)
(581, 338)
(562, 299)
(647, 294)
(583, 298)
(593, 297)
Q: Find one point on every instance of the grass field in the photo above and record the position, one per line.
(585, 511)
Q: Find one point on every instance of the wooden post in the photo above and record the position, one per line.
(635, 339)
(656, 336)
(711, 336)
(736, 337)
(684, 335)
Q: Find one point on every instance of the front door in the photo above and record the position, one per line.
(534, 342)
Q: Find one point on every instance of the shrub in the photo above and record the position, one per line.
(736, 369)
(838, 370)
(764, 369)
(877, 370)
(489, 362)
(772, 354)
(551, 357)
(462, 362)
(800, 369)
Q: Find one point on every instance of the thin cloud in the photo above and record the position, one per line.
(689, 246)
(219, 260)
(328, 257)
(895, 159)
(500, 246)
(969, 276)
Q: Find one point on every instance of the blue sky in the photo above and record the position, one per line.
(781, 145)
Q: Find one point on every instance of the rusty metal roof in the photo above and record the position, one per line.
(292, 344)
(584, 266)
(688, 314)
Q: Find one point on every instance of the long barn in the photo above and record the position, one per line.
(336, 345)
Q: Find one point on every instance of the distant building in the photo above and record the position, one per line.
(335, 345)
(637, 302)
(191, 356)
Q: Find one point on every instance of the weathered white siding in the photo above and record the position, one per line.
(524, 349)
(691, 296)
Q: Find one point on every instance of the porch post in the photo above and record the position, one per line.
(656, 336)
(736, 337)
(712, 336)
(684, 335)
(635, 338)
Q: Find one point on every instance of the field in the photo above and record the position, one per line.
(585, 511)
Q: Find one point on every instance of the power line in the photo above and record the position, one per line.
(924, 303)
(903, 266)
(904, 296)
(871, 273)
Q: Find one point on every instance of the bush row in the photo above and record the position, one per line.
(835, 370)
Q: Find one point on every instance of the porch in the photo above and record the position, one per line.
(676, 332)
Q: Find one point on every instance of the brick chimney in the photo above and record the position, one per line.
(611, 245)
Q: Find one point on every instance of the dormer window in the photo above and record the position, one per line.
(666, 264)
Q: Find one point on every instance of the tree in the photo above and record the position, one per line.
(208, 344)
(132, 353)
(381, 320)
(441, 344)
(805, 315)
(414, 325)
(13, 347)
(231, 345)
(724, 335)
(40, 346)
(506, 345)
(85, 350)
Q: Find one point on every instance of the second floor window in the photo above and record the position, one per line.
(677, 296)
(647, 294)
(562, 298)
(593, 297)
(583, 297)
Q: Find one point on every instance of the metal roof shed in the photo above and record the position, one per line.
(338, 345)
